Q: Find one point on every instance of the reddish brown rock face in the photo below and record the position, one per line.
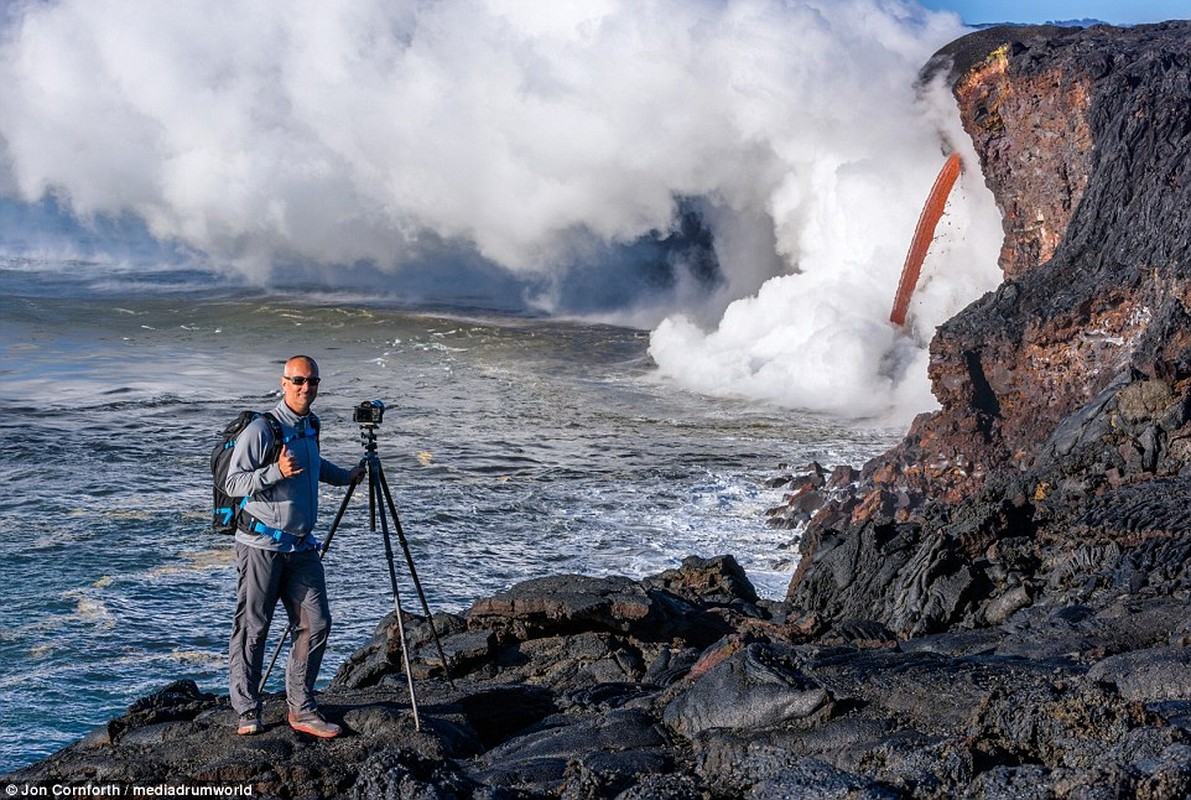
(1083, 138)
(1035, 144)
(1064, 434)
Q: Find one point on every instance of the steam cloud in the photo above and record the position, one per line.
(314, 132)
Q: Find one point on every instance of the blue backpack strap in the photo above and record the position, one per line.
(276, 534)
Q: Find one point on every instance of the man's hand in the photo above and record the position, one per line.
(288, 463)
(358, 473)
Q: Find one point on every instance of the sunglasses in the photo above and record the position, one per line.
(299, 380)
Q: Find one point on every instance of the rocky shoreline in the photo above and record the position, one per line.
(684, 685)
(996, 608)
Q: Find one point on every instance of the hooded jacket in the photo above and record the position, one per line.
(286, 504)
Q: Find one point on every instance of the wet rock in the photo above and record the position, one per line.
(670, 665)
(708, 581)
(589, 756)
(572, 604)
(760, 712)
(565, 604)
(754, 688)
(398, 772)
(500, 713)
(180, 700)
(1156, 673)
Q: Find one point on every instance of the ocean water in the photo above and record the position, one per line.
(516, 447)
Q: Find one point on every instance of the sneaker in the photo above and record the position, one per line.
(313, 723)
(250, 723)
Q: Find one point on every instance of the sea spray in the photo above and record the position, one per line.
(539, 157)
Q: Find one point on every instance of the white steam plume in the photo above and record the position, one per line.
(819, 338)
(329, 132)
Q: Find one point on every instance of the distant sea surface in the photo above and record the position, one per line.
(515, 448)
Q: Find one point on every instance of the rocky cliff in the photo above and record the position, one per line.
(994, 609)
(1065, 391)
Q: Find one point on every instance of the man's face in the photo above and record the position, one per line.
(299, 397)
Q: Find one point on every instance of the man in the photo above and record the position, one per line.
(276, 554)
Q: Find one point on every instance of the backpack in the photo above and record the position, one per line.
(227, 508)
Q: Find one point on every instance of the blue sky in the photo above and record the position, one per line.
(1118, 12)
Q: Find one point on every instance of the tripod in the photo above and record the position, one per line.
(378, 491)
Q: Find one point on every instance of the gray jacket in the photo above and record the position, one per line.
(286, 504)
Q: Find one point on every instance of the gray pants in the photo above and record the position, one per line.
(264, 577)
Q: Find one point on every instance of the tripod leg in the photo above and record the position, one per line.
(374, 499)
(260, 689)
(321, 553)
(413, 573)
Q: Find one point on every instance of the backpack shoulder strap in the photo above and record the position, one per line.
(278, 434)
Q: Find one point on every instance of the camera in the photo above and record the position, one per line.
(369, 412)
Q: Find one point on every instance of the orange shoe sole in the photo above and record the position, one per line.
(325, 730)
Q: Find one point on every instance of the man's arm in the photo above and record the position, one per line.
(337, 475)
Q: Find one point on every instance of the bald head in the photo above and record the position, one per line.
(299, 383)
